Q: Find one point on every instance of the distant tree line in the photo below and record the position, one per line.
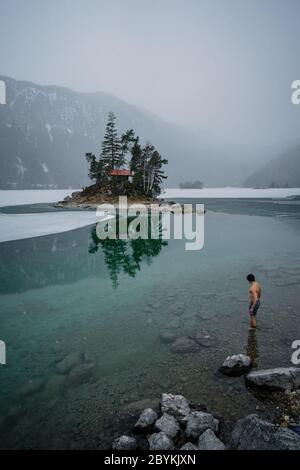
(125, 151)
(191, 185)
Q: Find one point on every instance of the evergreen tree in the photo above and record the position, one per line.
(95, 171)
(111, 156)
(136, 167)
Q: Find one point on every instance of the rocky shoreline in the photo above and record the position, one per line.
(175, 424)
(90, 201)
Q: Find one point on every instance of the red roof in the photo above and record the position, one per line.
(120, 173)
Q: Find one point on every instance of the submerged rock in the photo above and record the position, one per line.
(124, 443)
(137, 407)
(209, 441)
(32, 387)
(185, 345)
(146, 419)
(168, 424)
(160, 441)
(203, 339)
(236, 365)
(80, 375)
(70, 361)
(198, 422)
(253, 433)
(175, 405)
(167, 337)
(284, 378)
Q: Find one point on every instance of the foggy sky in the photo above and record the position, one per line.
(224, 66)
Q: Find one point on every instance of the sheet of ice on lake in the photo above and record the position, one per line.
(176, 193)
(11, 197)
(19, 226)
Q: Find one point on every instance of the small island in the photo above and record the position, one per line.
(124, 168)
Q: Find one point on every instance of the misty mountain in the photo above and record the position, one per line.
(45, 132)
(282, 171)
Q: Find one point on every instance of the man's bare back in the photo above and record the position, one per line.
(254, 296)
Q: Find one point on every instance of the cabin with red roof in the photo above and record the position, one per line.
(126, 173)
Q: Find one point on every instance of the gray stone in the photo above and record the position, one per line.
(204, 339)
(167, 337)
(124, 443)
(69, 362)
(209, 441)
(284, 378)
(146, 419)
(198, 422)
(235, 365)
(160, 441)
(175, 405)
(185, 345)
(253, 433)
(32, 387)
(188, 446)
(80, 374)
(167, 424)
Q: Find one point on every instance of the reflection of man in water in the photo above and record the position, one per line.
(252, 349)
(254, 295)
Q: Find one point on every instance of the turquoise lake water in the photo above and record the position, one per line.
(66, 293)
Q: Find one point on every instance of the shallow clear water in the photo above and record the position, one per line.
(64, 293)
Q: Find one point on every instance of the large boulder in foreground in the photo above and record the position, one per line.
(160, 441)
(209, 441)
(253, 433)
(284, 378)
(124, 443)
(198, 422)
(146, 420)
(236, 365)
(175, 405)
(167, 424)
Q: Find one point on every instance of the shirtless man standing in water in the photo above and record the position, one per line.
(254, 295)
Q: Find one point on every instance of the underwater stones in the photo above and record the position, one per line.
(184, 345)
(175, 405)
(167, 424)
(70, 361)
(147, 419)
(236, 365)
(203, 339)
(124, 443)
(167, 337)
(209, 441)
(160, 441)
(80, 374)
(135, 408)
(284, 378)
(198, 422)
(253, 433)
(32, 387)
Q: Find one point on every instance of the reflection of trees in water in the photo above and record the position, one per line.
(125, 255)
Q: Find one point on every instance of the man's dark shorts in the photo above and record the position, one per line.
(257, 305)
